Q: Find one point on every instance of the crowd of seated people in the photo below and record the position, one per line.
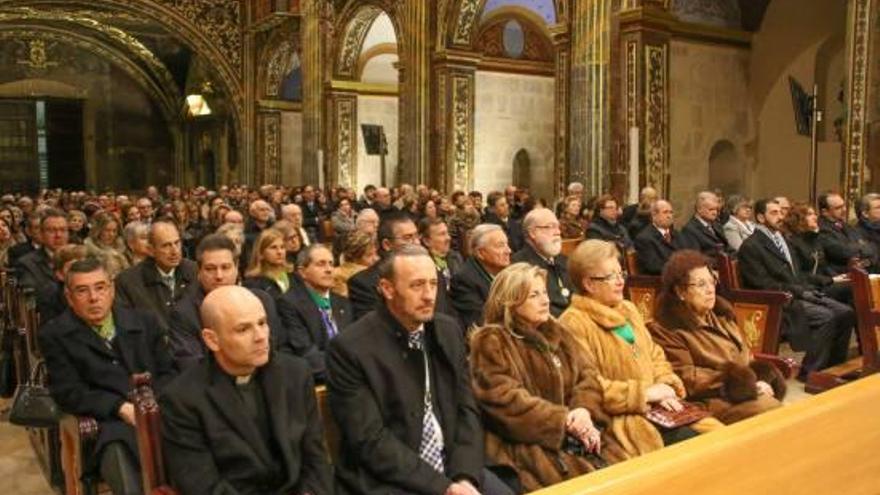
(461, 350)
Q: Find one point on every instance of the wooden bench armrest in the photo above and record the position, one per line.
(164, 490)
(769, 297)
(787, 366)
(79, 437)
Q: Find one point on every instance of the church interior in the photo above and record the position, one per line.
(750, 98)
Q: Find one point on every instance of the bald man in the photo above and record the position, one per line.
(245, 420)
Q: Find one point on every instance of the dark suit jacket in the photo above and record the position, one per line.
(20, 250)
(185, 326)
(311, 219)
(363, 291)
(51, 301)
(376, 392)
(304, 326)
(603, 230)
(141, 287)
(87, 377)
(36, 269)
(512, 228)
(707, 240)
(267, 285)
(842, 243)
(212, 447)
(468, 291)
(652, 250)
(557, 277)
(763, 266)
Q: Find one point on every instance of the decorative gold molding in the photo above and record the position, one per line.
(346, 142)
(277, 66)
(514, 66)
(656, 116)
(283, 105)
(364, 88)
(632, 82)
(270, 156)
(353, 40)
(462, 145)
(859, 41)
(665, 21)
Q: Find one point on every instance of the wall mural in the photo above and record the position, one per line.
(721, 13)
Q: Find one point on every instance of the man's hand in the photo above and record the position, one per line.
(126, 413)
(462, 487)
(764, 388)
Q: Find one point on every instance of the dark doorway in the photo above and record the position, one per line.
(522, 169)
(64, 144)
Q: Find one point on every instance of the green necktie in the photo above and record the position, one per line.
(107, 329)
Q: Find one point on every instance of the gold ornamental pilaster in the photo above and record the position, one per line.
(313, 41)
(342, 149)
(561, 41)
(455, 90)
(415, 85)
(859, 55)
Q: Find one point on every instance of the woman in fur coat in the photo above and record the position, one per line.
(702, 340)
(634, 374)
(539, 394)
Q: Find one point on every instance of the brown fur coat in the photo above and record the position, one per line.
(625, 371)
(714, 360)
(526, 383)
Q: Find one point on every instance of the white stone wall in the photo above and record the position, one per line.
(381, 110)
(513, 112)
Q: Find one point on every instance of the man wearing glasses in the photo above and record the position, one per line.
(542, 248)
(91, 350)
(841, 242)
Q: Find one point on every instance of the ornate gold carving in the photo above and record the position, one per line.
(490, 41)
(218, 20)
(354, 39)
(468, 13)
(38, 57)
(859, 42)
(283, 59)
(346, 144)
(271, 147)
(656, 119)
(632, 81)
(462, 131)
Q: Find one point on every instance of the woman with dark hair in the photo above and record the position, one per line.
(571, 224)
(538, 391)
(698, 331)
(802, 226)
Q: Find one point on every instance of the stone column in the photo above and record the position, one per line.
(641, 100)
(313, 42)
(453, 132)
(561, 42)
(415, 90)
(863, 113)
(341, 158)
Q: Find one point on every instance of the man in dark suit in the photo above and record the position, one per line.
(37, 269)
(310, 313)
(91, 351)
(311, 211)
(630, 215)
(868, 225)
(396, 230)
(50, 298)
(542, 249)
(498, 212)
(158, 282)
(32, 231)
(816, 323)
(244, 420)
(435, 238)
(399, 389)
(490, 253)
(217, 267)
(841, 242)
(703, 232)
(605, 226)
(656, 243)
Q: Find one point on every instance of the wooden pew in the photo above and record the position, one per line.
(569, 245)
(331, 431)
(642, 290)
(78, 436)
(824, 445)
(866, 299)
(149, 436)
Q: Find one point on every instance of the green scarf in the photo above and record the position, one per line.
(283, 281)
(322, 302)
(107, 329)
(625, 332)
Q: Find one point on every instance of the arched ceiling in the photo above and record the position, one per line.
(543, 8)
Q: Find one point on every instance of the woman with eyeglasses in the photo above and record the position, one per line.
(633, 370)
(537, 390)
(698, 331)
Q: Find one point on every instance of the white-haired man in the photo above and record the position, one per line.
(543, 248)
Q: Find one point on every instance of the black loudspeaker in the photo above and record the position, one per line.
(803, 107)
(374, 138)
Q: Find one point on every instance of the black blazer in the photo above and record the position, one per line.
(363, 291)
(603, 230)
(185, 326)
(558, 283)
(707, 240)
(763, 266)
(468, 291)
(141, 287)
(376, 392)
(512, 228)
(267, 285)
(87, 377)
(306, 335)
(212, 447)
(20, 250)
(652, 250)
(36, 269)
(841, 243)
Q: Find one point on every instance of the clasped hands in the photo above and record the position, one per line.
(579, 424)
(664, 396)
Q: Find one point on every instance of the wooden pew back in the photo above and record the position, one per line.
(866, 296)
(824, 444)
(149, 432)
(643, 291)
(569, 245)
(331, 431)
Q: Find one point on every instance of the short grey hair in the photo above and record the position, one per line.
(865, 202)
(386, 265)
(575, 185)
(704, 196)
(304, 257)
(136, 229)
(479, 234)
(363, 214)
(288, 207)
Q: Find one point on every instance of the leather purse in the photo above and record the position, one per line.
(691, 413)
(32, 405)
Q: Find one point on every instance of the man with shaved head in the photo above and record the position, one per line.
(656, 243)
(245, 420)
(399, 389)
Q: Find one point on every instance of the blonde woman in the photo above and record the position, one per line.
(358, 253)
(105, 242)
(633, 371)
(538, 391)
(268, 268)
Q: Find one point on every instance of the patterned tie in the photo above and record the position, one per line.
(780, 245)
(329, 324)
(667, 237)
(431, 447)
(168, 280)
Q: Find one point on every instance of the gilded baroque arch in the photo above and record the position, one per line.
(354, 23)
(463, 21)
(275, 59)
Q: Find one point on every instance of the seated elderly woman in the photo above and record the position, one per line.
(633, 372)
(538, 391)
(698, 331)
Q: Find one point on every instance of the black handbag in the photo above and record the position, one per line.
(33, 406)
(7, 374)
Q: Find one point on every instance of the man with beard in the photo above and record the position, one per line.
(399, 389)
(543, 245)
